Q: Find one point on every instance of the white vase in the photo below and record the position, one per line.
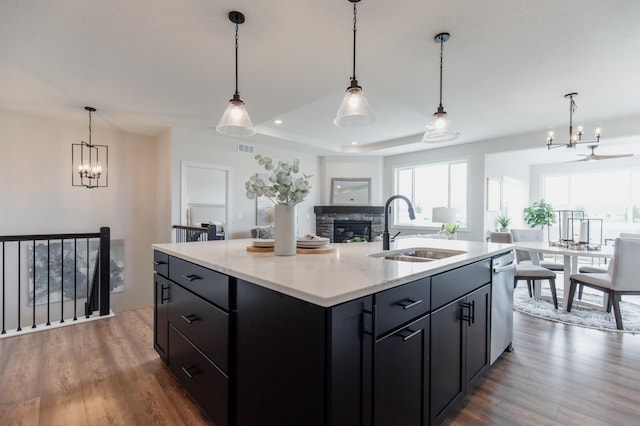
(286, 222)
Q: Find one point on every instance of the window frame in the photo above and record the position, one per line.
(412, 167)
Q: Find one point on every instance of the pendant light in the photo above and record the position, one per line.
(354, 109)
(439, 130)
(235, 120)
(89, 162)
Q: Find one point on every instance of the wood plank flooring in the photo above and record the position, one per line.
(107, 373)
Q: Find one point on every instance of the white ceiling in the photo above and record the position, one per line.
(151, 64)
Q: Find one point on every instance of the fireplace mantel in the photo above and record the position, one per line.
(348, 209)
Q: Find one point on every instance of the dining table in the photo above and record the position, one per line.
(570, 263)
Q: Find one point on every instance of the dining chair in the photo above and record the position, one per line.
(526, 270)
(533, 235)
(621, 279)
(530, 273)
(586, 269)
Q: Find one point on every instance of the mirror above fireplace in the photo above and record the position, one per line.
(350, 191)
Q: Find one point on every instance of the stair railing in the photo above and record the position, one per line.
(45, 273)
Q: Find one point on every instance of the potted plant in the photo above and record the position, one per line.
(452, 229)
(285, 191)
(540, 213)
(504, 222)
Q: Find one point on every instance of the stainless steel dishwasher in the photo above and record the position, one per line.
(502, 270)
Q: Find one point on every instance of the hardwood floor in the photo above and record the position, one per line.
(107, 373)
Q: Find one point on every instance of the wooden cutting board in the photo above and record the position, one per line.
(299, 250)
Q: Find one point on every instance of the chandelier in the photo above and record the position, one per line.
(574, 138)
(90, 163)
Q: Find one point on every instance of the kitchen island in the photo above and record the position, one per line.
(343, 338)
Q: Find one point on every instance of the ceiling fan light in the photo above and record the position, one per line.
(235, 120)
(354, 110)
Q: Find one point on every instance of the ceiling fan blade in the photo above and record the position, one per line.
(605, 157)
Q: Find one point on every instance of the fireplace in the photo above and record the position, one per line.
(333, 221)
(344, 230)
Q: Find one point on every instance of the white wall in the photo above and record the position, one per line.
(509, 168)
(352, 167)
(164, 181)
(211, 148)
(37, 196)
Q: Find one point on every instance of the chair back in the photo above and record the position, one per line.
(626, 268)
(501, 237)
(629, 235)
(526, 235)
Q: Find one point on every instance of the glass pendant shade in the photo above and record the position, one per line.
(354, 109)
(235, 120)
(439, 130)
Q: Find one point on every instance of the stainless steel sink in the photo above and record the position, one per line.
(406, 258)
(418, 254)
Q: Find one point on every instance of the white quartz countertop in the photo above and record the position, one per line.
(332, 278)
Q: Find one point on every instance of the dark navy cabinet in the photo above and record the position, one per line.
(252, 355)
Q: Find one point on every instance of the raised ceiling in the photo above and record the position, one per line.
(147, 65)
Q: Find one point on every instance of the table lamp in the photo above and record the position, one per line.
(443, 215)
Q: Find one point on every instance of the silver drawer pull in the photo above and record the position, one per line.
(159, 262)
(189, 373)
(409, 303)
(189, 318)
(191, 277)
(411, 334)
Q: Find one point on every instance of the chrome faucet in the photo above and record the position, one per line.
(385, 233)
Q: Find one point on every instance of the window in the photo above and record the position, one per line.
(611, 195)
(429, 186)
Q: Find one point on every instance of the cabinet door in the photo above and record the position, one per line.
(281, 359)
(447, 382)
(401, 376)
(160, 315)
(477, 333)
(350, 358)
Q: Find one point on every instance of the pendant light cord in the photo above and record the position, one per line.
(237, 93)
(441, 50)
(572, 108)
(354, 41)
(90, 128)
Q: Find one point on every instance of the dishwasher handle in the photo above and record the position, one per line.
(498, 269)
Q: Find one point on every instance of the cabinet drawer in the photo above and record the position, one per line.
(401, 304)
(209, 284)
(161, 263)
(208, 385)
(451, 285)
(204, 324)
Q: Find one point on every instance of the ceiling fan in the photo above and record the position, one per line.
(594, 157)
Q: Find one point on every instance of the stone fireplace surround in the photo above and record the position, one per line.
(326, 215)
